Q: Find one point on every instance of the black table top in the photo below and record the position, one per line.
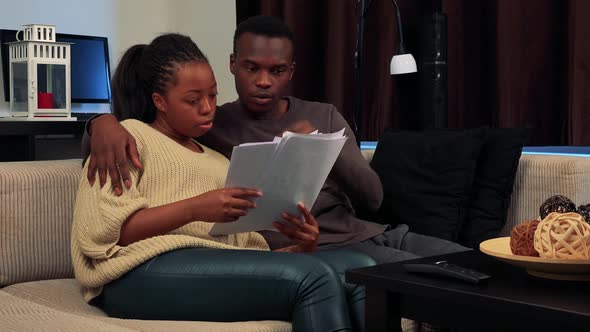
(25, 128)
(510, 288)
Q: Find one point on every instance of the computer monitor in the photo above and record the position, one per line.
(89, 63)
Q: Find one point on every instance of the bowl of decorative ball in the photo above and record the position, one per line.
(555, 247)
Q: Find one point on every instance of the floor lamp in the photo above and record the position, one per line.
(401, 62)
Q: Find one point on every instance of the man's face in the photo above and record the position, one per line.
(262, 68)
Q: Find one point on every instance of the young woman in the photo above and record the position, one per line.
(147, 254)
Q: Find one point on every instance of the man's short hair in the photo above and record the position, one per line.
(261, 25)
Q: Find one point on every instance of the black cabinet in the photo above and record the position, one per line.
(40, 140)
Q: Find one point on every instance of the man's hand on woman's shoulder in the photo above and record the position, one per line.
(111, 148)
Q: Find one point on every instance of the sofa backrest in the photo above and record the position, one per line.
(538, 177)
(37, 200)
(36, 204)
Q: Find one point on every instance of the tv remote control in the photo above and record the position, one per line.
(443, 268)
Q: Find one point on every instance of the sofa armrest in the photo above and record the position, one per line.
(541, 176)
(36, 203)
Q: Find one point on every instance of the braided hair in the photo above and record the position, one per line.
(145, 69)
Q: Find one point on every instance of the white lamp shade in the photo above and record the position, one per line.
(402, 64)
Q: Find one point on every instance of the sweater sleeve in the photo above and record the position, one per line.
(351, 167)
(99, 214)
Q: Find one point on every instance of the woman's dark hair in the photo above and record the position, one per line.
(145, 69)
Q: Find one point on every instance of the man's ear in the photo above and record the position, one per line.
(232, 63)
(292, 70)
(159, 102)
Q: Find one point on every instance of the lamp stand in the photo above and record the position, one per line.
(358, 58)
(401, 63)
(433, 82)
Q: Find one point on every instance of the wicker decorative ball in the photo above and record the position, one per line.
(557, 203)
(584, 211)
(563, 235)
(522, 239)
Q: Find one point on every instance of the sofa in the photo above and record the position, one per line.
(37, 289)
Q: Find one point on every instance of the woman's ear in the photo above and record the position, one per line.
(160, 102)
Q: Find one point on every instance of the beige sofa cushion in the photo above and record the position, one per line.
(36, 204)
(57, 302)
(57, 305)
(541, 176)
(20, 315)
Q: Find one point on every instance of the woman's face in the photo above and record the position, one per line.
(189, 104)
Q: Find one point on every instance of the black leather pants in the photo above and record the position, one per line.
(242, 285)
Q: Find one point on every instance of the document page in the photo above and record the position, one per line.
(287, 171)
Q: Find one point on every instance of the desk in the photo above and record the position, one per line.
(510, 301)
(17, 138)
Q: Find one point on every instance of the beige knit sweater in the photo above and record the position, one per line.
(170, 173)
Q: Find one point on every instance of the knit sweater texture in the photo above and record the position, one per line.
(170, 173)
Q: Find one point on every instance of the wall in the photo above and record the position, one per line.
(212, 27)
(126, 22)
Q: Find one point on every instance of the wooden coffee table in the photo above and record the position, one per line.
(510, 301)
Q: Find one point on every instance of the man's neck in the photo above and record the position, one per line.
(277, 112)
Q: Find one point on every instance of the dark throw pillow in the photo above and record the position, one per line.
(427, 178)
(492, 186)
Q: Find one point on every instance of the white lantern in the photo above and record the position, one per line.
(39, 75)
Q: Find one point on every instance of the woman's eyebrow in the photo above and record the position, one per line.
(209, 88)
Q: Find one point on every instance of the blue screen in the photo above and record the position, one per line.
(89, 69)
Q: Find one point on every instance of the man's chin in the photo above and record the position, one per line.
(258, 108)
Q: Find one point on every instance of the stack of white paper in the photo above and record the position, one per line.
(288, 170)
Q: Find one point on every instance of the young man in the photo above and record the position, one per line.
(262, 65)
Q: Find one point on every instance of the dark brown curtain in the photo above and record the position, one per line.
(511, 63)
